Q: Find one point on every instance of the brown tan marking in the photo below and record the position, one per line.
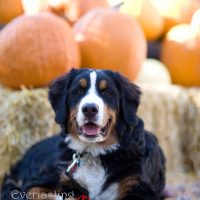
(111, 132)
(72, 124)
(111, 137)
(66, 182)
(83, 83)
(103, 84)
(126, 185)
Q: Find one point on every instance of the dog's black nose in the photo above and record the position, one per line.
(90, 110)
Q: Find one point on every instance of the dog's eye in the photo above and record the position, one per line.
(107, 92)
(78, 91)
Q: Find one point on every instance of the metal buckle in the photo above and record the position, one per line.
(76, 161)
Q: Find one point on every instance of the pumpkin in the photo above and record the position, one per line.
(76, 8)
(176, 11)
(36, 6)
(71, 10)
(150, 20)
(9, 9)
(58, 7)
(153, 72)
(188, 8)
(35, 49)
(111, 40)
(180, 53)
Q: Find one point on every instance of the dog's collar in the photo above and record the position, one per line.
(74, 164)
(71, 168)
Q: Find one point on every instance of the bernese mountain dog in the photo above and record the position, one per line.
(103, 152)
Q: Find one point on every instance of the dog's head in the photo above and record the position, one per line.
(89, 104)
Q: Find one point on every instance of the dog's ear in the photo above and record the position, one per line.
(129, 98)
(58, 92)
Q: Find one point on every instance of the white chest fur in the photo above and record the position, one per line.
(91, 175)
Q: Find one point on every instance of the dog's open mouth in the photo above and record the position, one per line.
(91, 129)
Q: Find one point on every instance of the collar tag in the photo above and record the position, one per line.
(74, 164)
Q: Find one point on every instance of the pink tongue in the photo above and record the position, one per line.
(90, 129)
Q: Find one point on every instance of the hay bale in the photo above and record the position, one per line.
(191, 136)
(25, 118)
(173, 114)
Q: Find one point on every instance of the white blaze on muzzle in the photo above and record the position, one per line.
(91, 97)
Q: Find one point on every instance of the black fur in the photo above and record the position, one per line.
(129, 97)
(36, 168)
(138, 155)
(59, 89)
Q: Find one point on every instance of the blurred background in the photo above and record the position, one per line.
(154, 43)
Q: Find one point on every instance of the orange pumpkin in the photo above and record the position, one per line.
(71, 10)
(76, 8)
(35, 49)
(188, 8)
(111, 40)
(176, 11)
(9, 9)
(35, 6)
(150, 20)
(180, 53)
(58, 7)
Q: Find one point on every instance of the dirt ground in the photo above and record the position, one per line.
(183, 188)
